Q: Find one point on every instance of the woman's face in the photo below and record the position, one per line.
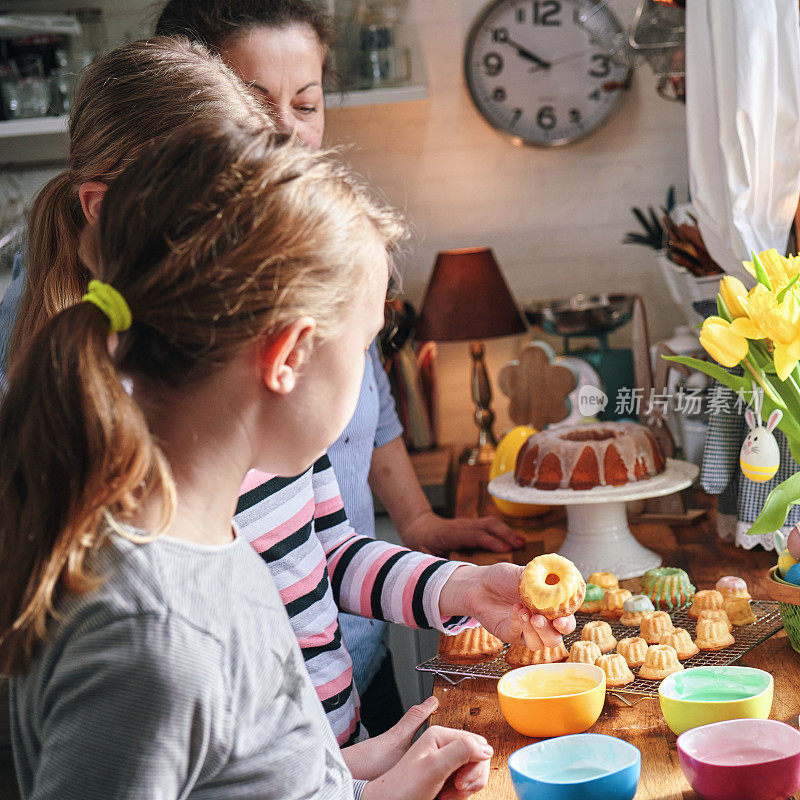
(284, 68)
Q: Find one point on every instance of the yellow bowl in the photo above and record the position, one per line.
(701, 695)
(505, 460)
(558, 715)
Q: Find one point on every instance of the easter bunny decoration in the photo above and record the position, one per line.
(760, 456)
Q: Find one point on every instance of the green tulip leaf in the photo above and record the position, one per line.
(783, 292)
(761, 273)
(722, 309)
(777, 506)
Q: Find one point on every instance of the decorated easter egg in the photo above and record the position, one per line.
(505, 460)
(793, 543)
(793, 575)
(785, 562)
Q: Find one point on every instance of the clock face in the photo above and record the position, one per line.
(537, 71)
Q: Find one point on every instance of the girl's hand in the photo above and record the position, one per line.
(490, 594)
(443, 763)
(369, 759)
(430, 533)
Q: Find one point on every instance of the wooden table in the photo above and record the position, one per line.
(473, 704)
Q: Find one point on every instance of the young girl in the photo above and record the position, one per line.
(151, 656)
(279, 47)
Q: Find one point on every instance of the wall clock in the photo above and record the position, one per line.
(536, 71)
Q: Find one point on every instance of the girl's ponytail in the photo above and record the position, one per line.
(55, 277)
(77, 452)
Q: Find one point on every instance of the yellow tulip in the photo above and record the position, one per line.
(780, 269)
(734, 294)
(723, 344)
(779, 322)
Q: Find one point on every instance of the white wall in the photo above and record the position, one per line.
(554, 217)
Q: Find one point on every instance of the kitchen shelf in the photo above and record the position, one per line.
(368, 97)
(36, 126)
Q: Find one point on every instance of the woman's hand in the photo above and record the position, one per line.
(443, 763)
(490, 594)
(430, 533)
(371, 758)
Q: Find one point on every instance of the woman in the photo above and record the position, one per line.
(279, 47)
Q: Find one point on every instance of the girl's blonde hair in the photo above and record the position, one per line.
(216, 237)
(127, 99)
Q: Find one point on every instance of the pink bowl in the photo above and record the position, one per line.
(742, 759)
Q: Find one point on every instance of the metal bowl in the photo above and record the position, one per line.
(582, 314)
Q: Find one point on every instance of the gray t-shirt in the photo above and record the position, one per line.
(178, 677)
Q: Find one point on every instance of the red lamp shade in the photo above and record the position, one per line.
(467, 299)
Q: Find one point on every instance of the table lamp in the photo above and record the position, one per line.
(467, 299)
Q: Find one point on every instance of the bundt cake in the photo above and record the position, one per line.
(732, 586)
(716, 614)
(583, 652)
(585, 456)
(667, 587)
(661, 660)
(738, 610)
(605, 580)
(632, 650)
(682, 642)
(592, 598)
(551, 585)
(611, 604)
(705, 600)
(634, 608)
(618, 673)
(600, 633)
(712, 634)
(520, 656)
(471, 645)
(655, 625)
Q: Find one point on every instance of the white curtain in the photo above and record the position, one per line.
(743, 124)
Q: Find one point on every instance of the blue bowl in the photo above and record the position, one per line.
(577, 767)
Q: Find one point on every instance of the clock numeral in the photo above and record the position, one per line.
(500, 35)
(595, 95)
(546, 118)
(493, 62)
(575, 116)
(545, 10)
(604, 68)
(499, 94)
(520, 15)
(516, 116)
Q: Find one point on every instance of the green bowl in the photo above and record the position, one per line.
(701, 695)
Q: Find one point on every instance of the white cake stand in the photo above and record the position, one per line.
(598, 536)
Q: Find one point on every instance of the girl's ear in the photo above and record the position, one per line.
(91, 194)
(282, 354)
(750, 418)
(774, 418)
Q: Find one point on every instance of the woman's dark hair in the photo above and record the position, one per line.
(216, 23)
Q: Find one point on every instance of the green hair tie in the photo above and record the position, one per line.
(111, 303)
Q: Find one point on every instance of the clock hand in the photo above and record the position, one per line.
(562, 60)
(525, 53)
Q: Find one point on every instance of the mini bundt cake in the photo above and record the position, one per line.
(716, 614)
(732, 586)
(655, 625)
(611, 604)
(600, 633)
(667, 587)
(591, 600)
(583, 652)
(661, 660)
(471, 645)
(712, 634)
(634, 608)
(738, 610)
(585, 456)
(520, 656)
(705, 600)
(632, 650)
(551, 585)
(682, 642)
(605, 580)
(618, 673)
